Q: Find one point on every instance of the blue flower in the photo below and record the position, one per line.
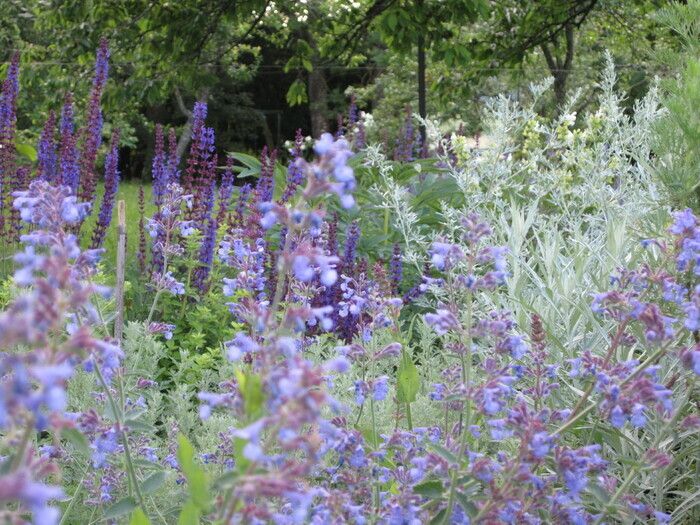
(380, 388)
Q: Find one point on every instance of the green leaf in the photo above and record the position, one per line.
(466, 505)
(391, 21)
(242, 462)
(226, 481)
(432, 489)
(77, 440)
(296, 94)
(190, 514)
(196, 477)
(599, 493)
(134, 414)
(139, 518)
(251, 389)
(121, 507)
(444, 453)
(26, 150)
(141, 427)
(439, 517)
(408, 381)
(152, 483)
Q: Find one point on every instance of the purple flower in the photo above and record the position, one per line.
(380, 388)
(111, 187)
(168, 283)
(159, 169)
(162, 328)
(46, 152)
(104, 445)
(442, 321)
(206, 256)
(360, 391)
(499, 429)
(93, 135)
(691, 359)
(396, 269)
(239, 345)
(684, 222)
(295, 175)
(692, 311)
(540, 444)
(514, 345)
(331, 172)
(353, 235)
(68, 174)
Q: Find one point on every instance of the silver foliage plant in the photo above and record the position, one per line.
(570, 202)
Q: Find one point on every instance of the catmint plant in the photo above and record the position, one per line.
(165, 228)
(51, 321)
(281, 392)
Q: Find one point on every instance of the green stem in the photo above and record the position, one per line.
(637, 468)
(153, 307)
(576, 416)
(466, 372)
(375, 488)
(125, 440)
(160, 291)
(374, 422)
(160, 515)
(184, 296)
(21, 449)
(70, 506)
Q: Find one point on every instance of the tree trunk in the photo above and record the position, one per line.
(560, 68)
(318, 101)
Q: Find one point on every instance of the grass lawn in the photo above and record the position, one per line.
(129, 192)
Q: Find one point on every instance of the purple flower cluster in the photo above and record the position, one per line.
(69, 174)
(104, 217)
(92, 135)
(46, 152)
(295, 175)
(406, 142)
(8, 130)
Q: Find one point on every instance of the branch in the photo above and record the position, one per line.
(351, 38)
(181, 104)
(570, 44)
(549, 58)
(548, 32)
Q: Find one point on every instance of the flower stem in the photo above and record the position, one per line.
(466, 371)
(125, 441)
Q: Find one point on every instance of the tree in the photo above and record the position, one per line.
(430, 25)
(516, 29)
(165, 55)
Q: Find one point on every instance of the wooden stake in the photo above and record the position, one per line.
(121, 259)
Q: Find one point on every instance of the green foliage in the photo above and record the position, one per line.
(296, 94)
(198, 485)
(139, 518)
(250, 386)
(408, 381)
(677, 140)
(437, 22)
